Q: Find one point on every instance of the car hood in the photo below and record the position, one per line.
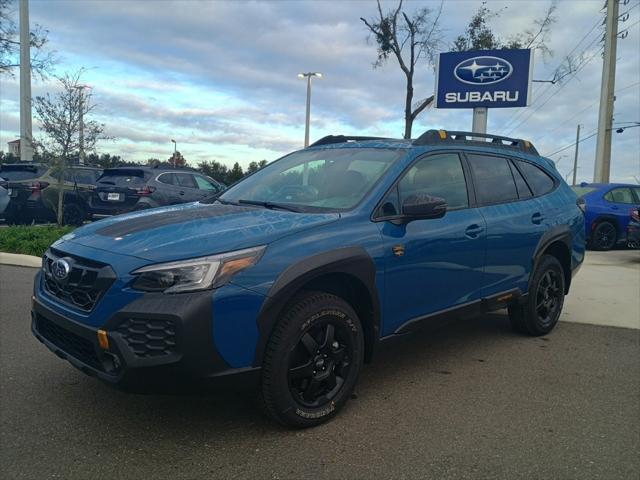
(193, 230)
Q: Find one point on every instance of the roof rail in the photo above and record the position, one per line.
(434, 137)
(329, 139)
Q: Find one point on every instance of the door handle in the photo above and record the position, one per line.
(614, 207)
(181, 192)
(537, 218)
(473, 231)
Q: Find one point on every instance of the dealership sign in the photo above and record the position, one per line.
(484, 78)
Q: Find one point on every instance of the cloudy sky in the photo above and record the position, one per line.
(220, 76)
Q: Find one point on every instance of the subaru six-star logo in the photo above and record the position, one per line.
(60, 269)
(483, 70)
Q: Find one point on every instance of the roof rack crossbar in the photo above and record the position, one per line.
(330, 139)
(434, 137)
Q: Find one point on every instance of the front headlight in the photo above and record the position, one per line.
(195, 274)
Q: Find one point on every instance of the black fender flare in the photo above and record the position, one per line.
(559, 233)
(353, 261)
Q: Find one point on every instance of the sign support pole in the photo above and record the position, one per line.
(479, 124)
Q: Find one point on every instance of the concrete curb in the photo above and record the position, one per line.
(20, 260)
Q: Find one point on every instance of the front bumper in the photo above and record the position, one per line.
(155, 342)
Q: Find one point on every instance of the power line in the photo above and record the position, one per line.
(519, 114)
(580, 67)
(584, 110)
(593, 134)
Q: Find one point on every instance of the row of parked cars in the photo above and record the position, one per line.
(611, 210)
(32, 190)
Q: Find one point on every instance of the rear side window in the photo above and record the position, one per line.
(620, 195)
(539, 181)
(184, 180)
(124, 178)
(21, 172)
(493, 179)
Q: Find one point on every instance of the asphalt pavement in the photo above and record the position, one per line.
(469, 399)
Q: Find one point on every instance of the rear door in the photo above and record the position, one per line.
(514, 219)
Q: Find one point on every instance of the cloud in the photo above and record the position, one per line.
(221, 76)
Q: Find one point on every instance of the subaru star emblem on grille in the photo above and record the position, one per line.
(483, 70)
(60, 269)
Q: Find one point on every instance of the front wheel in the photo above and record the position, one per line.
(312, 361)
(546, 297)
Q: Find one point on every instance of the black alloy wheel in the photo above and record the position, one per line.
(548, 297)
(605, 236)
(312, 360)
(320, 363)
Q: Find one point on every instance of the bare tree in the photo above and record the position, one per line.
(59, 116)
(409, 38)
(42, 59)
(479, 36)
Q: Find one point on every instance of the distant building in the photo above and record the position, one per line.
(14, 147)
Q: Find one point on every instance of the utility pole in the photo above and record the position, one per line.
(575, 158)
(605, 117)
(26, 132)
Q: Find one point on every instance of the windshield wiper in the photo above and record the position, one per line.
(270, 205)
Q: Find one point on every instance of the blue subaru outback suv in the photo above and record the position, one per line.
(290, 279)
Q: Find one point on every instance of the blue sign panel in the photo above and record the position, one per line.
(484, 78)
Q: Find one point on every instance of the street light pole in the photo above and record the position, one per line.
(26, 133)
(308, 76)
(175, 150)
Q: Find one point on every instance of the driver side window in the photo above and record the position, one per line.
(438, 175)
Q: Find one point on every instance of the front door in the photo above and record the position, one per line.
(431, 264)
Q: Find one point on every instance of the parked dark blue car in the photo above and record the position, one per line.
(607, 212)
(290, 279)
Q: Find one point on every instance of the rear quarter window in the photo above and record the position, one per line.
(539, 181)
(21, 172)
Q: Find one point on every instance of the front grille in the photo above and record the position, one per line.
(84, 284)
(68, 342)
(149, 337)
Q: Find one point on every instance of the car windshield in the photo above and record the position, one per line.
(21, 172)
(321, 180)
(123, 178)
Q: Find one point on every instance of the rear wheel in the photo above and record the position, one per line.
(604, 236)
(73, 214)
(312, 361)
(544, 304)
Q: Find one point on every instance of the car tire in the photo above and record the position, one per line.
(312, 361)
(540, 313)
(17, 216)
(604, 236)
(73, 214)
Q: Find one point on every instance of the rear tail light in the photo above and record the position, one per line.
(582, 205)
(38, 185)
(635, 214)
(145, 191)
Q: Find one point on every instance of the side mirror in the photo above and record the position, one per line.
(423, 206)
